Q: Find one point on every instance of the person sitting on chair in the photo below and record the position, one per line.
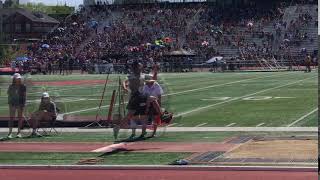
(47, 112)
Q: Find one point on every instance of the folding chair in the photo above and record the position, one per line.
(47, 127)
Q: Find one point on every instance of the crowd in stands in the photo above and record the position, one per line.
(119, 34)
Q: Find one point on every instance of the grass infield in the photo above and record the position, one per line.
(205, 99)
(121, 158)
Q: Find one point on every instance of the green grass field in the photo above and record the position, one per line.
(199, 99)
(121, 158)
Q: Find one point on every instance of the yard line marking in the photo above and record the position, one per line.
(181, 92)
(94, 108)
(259, 124)
(65, 89)
(172, 124)
(233, 99)
(303, 117)
(230, 124)
(217, 85)
(201, 124)
(283, 97)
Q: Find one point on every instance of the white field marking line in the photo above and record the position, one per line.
(172, 124)
(302, 117)
(91, 109)
(94, 108)
(230, 124)
(217, 85)
(259, 124)
(60, 100)
(65, 89)
(201, 124)
(64, 100)
(233, 99)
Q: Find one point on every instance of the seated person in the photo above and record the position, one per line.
(47, 112)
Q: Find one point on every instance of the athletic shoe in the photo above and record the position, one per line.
(132, 136)
(10, 136)
(142, 135)
(19, 135)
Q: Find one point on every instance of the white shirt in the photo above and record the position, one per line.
(155, 90)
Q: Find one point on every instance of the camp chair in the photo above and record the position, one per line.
(49, 127)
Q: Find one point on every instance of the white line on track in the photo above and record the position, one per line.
(259, 124)
(202, 124)
(234, 99)
(302, 117)
(230, 124)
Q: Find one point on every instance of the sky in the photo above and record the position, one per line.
(55, 2)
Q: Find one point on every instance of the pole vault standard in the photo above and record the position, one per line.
(97, 120)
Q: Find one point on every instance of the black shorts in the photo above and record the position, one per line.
(137, 103)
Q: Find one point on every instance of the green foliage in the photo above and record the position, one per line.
(40, 7)
(7, 54)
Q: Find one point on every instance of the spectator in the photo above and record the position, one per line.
(16, 100)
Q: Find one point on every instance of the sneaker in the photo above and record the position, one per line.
(132, 136)
(142, 135)
(19, 135)
(10, 136)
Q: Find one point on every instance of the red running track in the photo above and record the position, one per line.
(25, 174)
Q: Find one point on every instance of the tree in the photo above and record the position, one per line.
(40, 7)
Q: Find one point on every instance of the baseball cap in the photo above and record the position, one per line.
(45, 95)
(16, 76)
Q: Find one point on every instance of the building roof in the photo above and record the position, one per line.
(33, 16)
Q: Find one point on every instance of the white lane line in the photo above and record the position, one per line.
(302, 117)
(172, 124)
(217, 85)
(230, 124)
(201, 124)
(259, 124)
(233, 99)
